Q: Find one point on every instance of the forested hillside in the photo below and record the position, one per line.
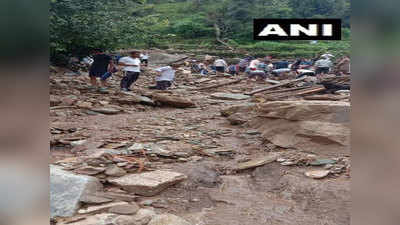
(79, 25)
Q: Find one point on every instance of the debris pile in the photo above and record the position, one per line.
(205, 151)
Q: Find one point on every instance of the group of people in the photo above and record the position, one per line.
(103, 66)
(261, 68)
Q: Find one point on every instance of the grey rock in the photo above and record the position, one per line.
(148, 184)
(203, 175)
(66, 190)
(168, 219)
(88, 170)
(144, 216)
(271, 157)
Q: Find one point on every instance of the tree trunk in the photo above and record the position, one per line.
(218, 36)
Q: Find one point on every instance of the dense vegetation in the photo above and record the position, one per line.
(79, 25)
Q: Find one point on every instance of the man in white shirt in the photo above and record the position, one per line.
(327, 55)
(323, 65)
(144, 58)
(166, 76)
(131, 69)
(220, 66)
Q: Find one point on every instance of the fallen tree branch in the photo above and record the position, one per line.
(220, 85)
(287, 89)
(325, 97)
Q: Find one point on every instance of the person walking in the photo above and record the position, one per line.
(131, 69)
(102, 66)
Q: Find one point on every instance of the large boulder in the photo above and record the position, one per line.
(173, 101)
(66, 190)
(149, 183)
(314, 126)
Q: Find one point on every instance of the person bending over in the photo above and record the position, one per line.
(166, 76)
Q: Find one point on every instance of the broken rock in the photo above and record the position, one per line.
(148, 184)
(66, 190)
(313, 126)
(317, 174)
(272, 157)
(115, 171)
(173, 101)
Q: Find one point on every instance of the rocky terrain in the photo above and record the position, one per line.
(205, 152)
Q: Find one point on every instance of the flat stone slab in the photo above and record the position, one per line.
(134, 98)
(258, 162)
(173, 101)
(130, 209)
(66, 190)
(228, 96)
(148, 184)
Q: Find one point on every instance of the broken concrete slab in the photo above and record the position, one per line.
(229, 96)
(168, 219)
(148, 184)
(271, 157)
(66, 190)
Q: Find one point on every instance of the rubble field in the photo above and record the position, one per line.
(211, 150)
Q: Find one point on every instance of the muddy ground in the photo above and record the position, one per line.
(209, 146)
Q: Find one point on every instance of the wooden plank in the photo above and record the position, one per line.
(312, 91)
(275, 86)
(325, 97)
(287, 89)
(220, 85)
